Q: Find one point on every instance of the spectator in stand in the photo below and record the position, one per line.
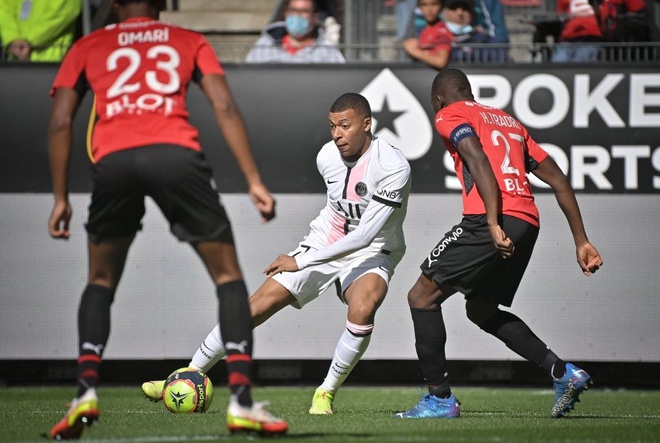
(437, 43)
(297, 39)
(578, 34)
(624, 20)
(328, 11)
(403, 12)
(38, 30)
(488, 18)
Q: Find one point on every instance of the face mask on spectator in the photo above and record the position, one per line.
(297, 25)
(457, 29)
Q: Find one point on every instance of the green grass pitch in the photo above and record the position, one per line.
(362, 414)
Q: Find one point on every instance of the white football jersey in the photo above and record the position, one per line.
(366, 205)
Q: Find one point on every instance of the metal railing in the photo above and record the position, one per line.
(477, 54)
(647, 53)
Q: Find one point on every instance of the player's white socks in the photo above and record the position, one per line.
(352, 344)
(209, 352)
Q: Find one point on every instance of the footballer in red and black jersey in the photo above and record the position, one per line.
(139, 71)
(510, 150)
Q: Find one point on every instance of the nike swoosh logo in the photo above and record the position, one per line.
(330, 182)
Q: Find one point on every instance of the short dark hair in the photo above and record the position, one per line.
(466, 5)
(354, 101)
(451, 79)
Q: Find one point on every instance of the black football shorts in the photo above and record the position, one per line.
(467, 260)
(178, 179)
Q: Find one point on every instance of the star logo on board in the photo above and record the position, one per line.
(385, 118)
(398, 117)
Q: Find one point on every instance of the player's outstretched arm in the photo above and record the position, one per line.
(472, 152)
(65, 104)
(232, 125)
(588, 257)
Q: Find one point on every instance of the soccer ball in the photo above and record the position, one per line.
(187, 390)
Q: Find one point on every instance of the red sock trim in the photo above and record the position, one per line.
(238, 357)
(89, 357)
(90, 373)
(238, 379)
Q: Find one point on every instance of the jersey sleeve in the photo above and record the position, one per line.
(72, 72)
(534, 153)
(453, 126)
(392, 188)
(206, 61)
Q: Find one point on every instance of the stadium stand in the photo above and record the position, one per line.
(368, 28)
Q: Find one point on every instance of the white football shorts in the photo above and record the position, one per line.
(306, 285)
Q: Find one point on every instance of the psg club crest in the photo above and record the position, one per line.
(361, 189)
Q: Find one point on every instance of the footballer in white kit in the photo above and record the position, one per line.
(355, 242)
(361, 225)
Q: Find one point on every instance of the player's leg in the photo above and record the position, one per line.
(180, 181)
(514, 333)
(461, 261)
(483, 310)
(425, 299)
(269, 298)
(106, 264)
(234, 313)
(236, 333)
(364, 296)
(116, 208)
(266, 301)
(569, 380)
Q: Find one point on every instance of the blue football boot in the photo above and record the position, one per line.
(431, 406)
(568, 389)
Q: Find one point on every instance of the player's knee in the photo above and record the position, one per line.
(480, 311)
(424, 294)
(363, 313)
(103, 279)
(420, 298)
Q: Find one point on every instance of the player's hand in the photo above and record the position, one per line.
(282, 263)
(20, 49)
(58, 224)
(263, 201)
(502, 243)
(588, 258)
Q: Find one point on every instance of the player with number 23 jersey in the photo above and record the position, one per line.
(136, 70)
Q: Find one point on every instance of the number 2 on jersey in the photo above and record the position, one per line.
(510, 184)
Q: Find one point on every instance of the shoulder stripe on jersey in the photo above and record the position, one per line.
(386, 202)
(90, 130)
